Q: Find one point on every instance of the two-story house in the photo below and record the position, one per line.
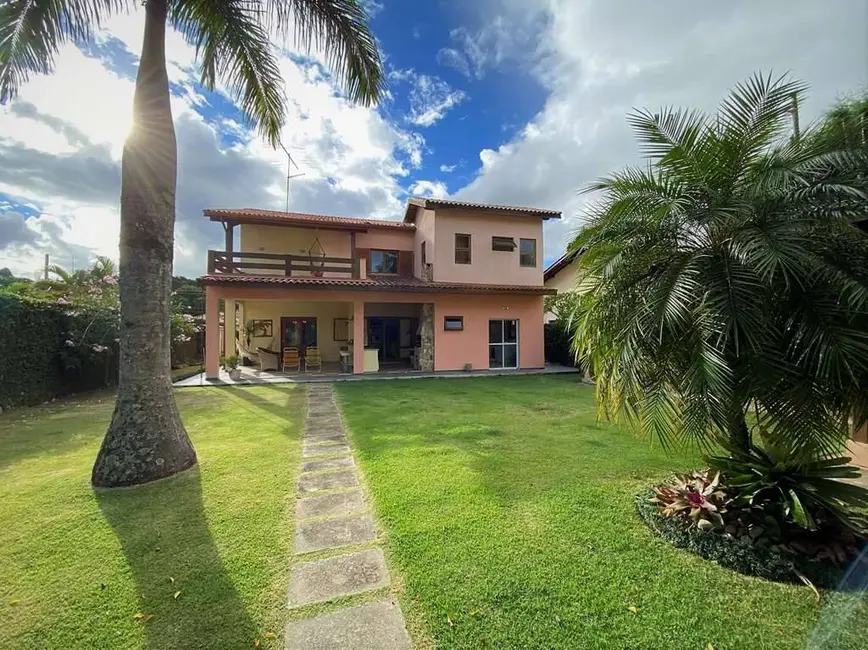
(454, 285)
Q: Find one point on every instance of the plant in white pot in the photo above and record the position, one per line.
(231, 365)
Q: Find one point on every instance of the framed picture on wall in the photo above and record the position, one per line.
(262, 328)
(342, 329)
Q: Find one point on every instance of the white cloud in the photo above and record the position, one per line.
(447, 169)
(434, 189)
(602, 58)
(61, 149)
(430, 97)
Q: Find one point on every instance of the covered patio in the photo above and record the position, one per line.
(349, 331)
(253, 377)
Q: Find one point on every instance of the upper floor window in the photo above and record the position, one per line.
(527, 252)
(424, 254)
(384, 261)
(502, 244)
(462, 249)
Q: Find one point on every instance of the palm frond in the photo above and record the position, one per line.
(338, 28)
(233, 43)
(32, 31)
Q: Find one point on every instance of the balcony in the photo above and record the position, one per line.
(222, 262)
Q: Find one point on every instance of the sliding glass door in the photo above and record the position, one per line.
(503, 344)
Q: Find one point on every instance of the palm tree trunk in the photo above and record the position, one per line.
(146, 439)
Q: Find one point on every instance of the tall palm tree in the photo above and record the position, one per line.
(146, 439)
(729, 284)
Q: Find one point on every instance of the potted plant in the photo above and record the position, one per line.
(230, 364)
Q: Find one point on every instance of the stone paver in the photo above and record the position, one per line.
(330, 505)
(332, 514)
(343, 575)
(344, 478)
(375, 626)
(325, 437)
(328, 463)
(324, 450)
(333, 533)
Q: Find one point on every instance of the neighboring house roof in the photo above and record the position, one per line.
(372, 283)
(560, 264)
(426, 203)
(272, 217)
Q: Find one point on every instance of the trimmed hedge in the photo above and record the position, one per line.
(734, 554)
(36, 363)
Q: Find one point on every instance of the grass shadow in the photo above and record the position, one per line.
(168, 545)
(269, 399)
(53, 428)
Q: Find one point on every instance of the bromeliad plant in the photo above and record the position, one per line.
(809, 494)
(695, 498)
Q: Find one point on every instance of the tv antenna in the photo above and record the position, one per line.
(290, 163)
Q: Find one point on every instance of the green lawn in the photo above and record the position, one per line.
(508, 513)
(76, 567)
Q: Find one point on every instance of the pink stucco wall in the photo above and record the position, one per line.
(395, 240)
(424, 233)
(451, 349)
(487, 266)
(454, 349)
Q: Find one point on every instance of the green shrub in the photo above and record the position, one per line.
(51, 349)
(558, 343)
(733, 553)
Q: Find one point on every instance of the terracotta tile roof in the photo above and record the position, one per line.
(253, 215)
(560, 264)
(409, 213)
(372, 283)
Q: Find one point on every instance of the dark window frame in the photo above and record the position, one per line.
(462, 249)
(521, 253)
(503, 244)
(384, 251)
(446, 320)
(423, 253)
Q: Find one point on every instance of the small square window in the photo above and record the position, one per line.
(527, 252)
(384, 261)
(462, 249)
(502, 244)
(453, 323)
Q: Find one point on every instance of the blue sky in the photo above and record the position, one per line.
(507, 101)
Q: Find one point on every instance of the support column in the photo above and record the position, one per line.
(358, 336)
(212, 332)
(229, 328)
(426, 353)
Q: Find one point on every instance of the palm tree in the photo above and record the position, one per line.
(730, 290)
(146, 439)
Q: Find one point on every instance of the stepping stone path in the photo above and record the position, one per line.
(332, 515)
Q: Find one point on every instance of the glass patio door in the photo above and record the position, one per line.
(503, 344)
(298, 333)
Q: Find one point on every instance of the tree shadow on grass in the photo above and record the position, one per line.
(285, 405)
(167, 542)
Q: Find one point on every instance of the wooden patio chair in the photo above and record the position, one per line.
(291, 360)
(312, 358)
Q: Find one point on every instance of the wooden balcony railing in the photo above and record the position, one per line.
(278, 264)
